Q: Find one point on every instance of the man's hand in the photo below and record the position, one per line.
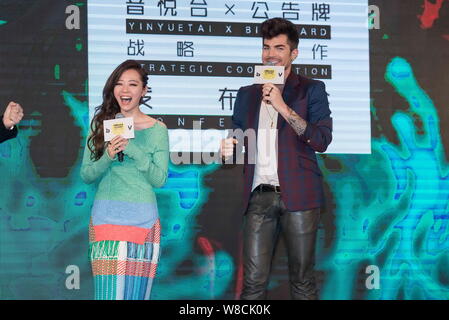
(13, 114)
(227, 147)
(272, 95)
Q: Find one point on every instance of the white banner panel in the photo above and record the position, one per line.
(199, 52)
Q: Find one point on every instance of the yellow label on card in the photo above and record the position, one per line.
(268, 74)
(118, 128)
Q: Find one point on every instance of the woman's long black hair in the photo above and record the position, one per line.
(110, 107)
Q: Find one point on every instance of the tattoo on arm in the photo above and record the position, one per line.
(298, 124)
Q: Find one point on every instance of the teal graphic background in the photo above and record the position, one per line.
(400, 222)
(387, 209)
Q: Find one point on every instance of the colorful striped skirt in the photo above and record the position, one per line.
(125, 270)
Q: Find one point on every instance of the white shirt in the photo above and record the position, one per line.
(266, 159)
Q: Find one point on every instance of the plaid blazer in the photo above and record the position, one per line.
(300, 177)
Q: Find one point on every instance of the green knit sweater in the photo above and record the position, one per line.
(125, 206)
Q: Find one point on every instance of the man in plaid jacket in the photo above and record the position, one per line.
(283, 190)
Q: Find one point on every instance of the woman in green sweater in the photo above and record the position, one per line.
(124, 232)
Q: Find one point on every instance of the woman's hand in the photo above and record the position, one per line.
(116, 145)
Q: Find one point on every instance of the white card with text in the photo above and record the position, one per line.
(118, 127)
(269, 74)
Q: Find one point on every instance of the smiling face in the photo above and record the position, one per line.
(128, 91)
(277, 51)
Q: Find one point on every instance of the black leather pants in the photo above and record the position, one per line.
(266, 218)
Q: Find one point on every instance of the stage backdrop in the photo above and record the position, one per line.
(384, 232)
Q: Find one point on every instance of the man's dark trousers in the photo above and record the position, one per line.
(266, 218)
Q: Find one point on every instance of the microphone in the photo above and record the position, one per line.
(120, 155)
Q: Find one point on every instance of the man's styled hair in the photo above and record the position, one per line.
(273, 27)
